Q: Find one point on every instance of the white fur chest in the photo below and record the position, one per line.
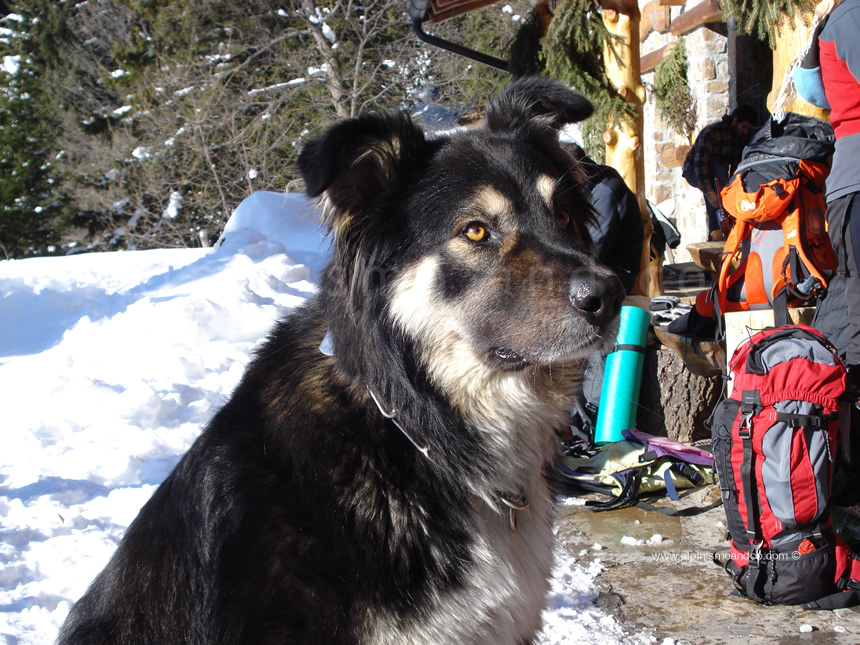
(506, 584)
(505, 589)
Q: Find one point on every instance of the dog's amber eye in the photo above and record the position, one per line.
(476, 232)
(563, 216)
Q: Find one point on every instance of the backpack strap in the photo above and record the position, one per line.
(678, 512)
(838, 600)
(780, 308)
(671, 491)
(750, 405)
(757, 566)
(627, 496)
(680, 468)
(739, 231)
(791, 226)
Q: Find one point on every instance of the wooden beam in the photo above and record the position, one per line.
(708, 255)
(708, 11)
(441, 10)
(674, 157)
(672, 3)
(650, 60)
(654, 18)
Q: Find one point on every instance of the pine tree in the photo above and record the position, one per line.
(31, 191)
(210, 100)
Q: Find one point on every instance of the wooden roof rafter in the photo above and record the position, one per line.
(441, 10)
(436, 11)
(708, 13)
(654, 16)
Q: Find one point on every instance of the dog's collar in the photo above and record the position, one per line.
(424, 450)
(513, 503)
(327, 348)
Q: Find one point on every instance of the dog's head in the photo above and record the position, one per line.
(474, 242)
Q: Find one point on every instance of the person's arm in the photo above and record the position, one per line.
(847, 40)
(601, 227)
(703, 159)
(628, 243)
(620, 232)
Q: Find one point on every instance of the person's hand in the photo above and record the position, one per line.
(713, 199)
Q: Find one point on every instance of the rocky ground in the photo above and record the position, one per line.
(659, 577)
(658, 574)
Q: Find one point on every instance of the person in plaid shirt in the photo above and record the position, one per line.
(717, 149)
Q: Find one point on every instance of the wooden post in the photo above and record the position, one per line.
(792, 34)
(674, 157)
(623, 138)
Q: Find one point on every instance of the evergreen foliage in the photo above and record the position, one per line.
(31, 187)
(761, 17)
(525, 59)
(672, 91)
(572, 51)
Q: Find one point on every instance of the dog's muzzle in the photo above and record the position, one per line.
(596, 295)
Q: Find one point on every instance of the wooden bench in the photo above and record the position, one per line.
(707, 255)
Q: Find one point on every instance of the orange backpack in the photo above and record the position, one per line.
(778, 250)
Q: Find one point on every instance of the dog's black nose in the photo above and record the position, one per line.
(596, 295)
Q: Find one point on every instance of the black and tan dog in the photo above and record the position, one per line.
(395, 491)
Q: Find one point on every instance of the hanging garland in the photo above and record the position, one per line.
(572, 52)
(760, 18)
(672, 91)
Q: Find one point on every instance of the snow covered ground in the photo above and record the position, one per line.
(109, 365)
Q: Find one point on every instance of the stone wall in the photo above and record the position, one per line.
(709, 83)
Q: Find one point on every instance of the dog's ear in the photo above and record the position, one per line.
(358, 160)
(537, 103)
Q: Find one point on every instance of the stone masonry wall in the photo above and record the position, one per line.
(708, 76)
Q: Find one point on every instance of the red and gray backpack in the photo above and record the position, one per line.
(774, 442)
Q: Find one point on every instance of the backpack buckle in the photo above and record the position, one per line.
(848, 584)
(750, 403)
(755, 556)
